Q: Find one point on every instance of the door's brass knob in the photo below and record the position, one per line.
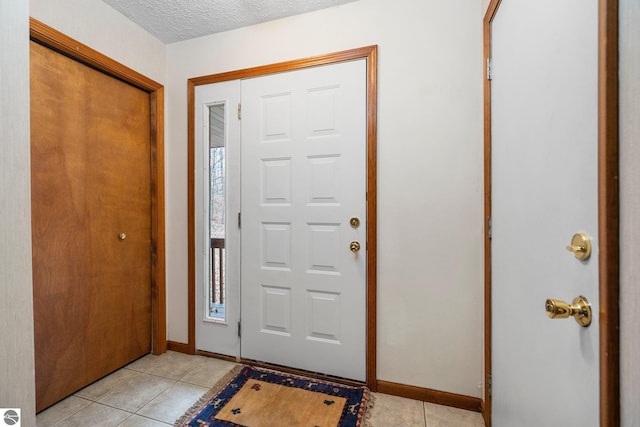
(354, 246)
(580, 309)
(122, 236)
(580, 246)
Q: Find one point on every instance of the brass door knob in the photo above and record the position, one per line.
(354, 246)
(580, 309)
(122, 236)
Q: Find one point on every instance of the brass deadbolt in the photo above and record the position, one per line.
(580, 246)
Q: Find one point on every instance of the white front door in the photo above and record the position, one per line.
(217, 197)
(303, 178)
(545, 372)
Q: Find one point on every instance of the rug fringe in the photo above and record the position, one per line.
(371, 400)
(219, 385)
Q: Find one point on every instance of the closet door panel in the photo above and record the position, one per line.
(91, 223)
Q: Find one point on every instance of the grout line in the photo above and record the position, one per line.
(112, 407)
(114, 386)
(91, 402)
(142, 416)
(128, 368)
(150, 418)
(145, 404)
(424, 413)
(70, 415)
(161, 376)
(125, 420)
(208, 387)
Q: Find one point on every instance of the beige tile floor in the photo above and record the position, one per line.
(156, 390)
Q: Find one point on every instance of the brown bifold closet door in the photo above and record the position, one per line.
(91, 223)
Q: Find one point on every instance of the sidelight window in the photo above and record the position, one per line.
(216, 289)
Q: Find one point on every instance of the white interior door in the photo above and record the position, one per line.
(544, 189)
(217, 162)
(303, 178)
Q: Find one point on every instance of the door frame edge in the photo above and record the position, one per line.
(609, 211)
(486, 403)
(58, 41)
(370, 53)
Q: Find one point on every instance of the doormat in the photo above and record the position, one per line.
(256, 397)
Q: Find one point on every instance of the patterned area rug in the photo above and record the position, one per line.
(255, 397)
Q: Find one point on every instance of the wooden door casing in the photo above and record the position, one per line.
(91, 174)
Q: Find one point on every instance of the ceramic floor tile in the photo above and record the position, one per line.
(135, 391)
(444, 416)
(60, 411)
(101, 387)
(143, 363)
(148, 387)
(138, 421)
(95, 415)
(208, 371)
(396, 411)
(172, 403)
(172, 365)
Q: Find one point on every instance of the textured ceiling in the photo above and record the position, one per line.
(177, 20)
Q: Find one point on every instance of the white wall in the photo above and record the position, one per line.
(99, 26)
(430, 260)
(17, 384)
(630, 210)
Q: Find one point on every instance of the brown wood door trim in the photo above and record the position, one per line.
(47, 36)
(486, 404)
(370, 53)
(608, 212)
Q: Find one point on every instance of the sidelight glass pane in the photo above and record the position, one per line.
(216, 288)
